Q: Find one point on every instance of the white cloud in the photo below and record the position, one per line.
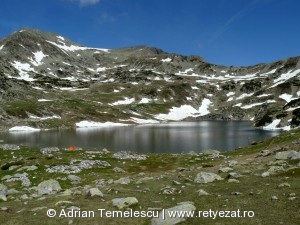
(88, 2)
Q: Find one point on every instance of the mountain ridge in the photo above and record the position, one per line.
(138, 84)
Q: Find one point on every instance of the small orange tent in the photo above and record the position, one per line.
(72, 148)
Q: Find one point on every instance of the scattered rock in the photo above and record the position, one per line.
(77, 166)
(232, 163)
(284, 185)
(118, 170)
(128, 155)
(48, 186)
(202, 192)
(265, 174)
(170, 191)
(75, 178)
(8, 165)
(285, 155)
(142, 180)
(264, 153)
(9, 147)
(231, 180)
(123, 180)
(94, 192)
(28, 168)
(49, 150)
(165, 219)
(234, 175)
(275, 169)
(122, 203)
(18, 177)
(175, 182)
(225, 169)
(3, 192)
(205, 177)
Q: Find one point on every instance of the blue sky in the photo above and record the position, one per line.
(227, 32)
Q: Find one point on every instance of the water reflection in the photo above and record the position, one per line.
(167, 137)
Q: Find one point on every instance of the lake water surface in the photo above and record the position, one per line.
(160, 138)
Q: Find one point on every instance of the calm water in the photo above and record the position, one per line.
(167, 137)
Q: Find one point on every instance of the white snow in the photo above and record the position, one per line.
(178, 113)
(230, 94)
(23, 128)
(38, 88)
(86, 124)
(273, 125)
(244, 96)
(1, 47)
(195, 88)
(270, 72)
(44, 100)
(38, 57)
(60, 37)
(166, 60)
(126, 101)
(143, 121)
(292, 109)
(256, 104)
(145, 101)
(75, 47)
(31, 116)
(263, 95)
(23, 68)
(230, 99)
(116, 91)
(101, 69)
(203, 109)
(71, 89)
(284, 77)
(286, 97)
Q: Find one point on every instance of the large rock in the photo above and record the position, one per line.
(205, 177)
(9, 147)
(166, 219)
(285, 155)
(49, 150)
(122, 203)
(48, 186)
(94, 192)
(3, 192)
(123, 180)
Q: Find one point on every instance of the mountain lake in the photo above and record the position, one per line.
(173, 137)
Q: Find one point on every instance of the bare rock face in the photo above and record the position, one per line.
(32, 62)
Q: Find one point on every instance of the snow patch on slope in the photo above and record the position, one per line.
(23, 128)
(284, 77)
(73, 48)
(203, 109)
(126, 101)
(178, 113)
(286, 97)
(23, 68)
(87, 124)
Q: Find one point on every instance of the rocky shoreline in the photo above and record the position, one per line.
(263, 178)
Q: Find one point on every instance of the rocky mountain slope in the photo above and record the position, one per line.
(49, 81)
